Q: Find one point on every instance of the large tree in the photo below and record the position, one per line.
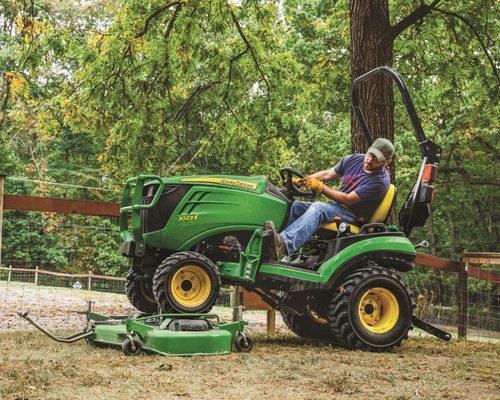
(372, 45)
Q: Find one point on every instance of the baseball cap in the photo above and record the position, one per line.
(382, 149)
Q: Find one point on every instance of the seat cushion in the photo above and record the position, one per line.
(380, 214)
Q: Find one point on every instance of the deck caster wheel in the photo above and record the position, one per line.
(131, 346)
(243, 343)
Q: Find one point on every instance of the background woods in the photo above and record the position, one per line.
(93, 92)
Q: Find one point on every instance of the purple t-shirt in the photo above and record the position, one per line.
(370, 187)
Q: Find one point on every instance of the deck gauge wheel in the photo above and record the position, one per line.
(243, 343)
(131, 346)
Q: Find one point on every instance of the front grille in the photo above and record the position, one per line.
(154, 219)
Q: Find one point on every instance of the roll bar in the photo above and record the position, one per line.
(428, 148)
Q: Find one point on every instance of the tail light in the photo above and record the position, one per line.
(429, 175)
(427, 191)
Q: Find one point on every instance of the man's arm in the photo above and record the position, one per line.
(345, 199)
(325, 175)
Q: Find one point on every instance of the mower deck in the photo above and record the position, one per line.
(164, 334)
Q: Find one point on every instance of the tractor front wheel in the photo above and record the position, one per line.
(371, 309)
(188, 282)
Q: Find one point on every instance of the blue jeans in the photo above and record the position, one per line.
(306, 217)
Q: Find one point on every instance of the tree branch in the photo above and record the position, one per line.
(476, 34)
(249, 47)
(471, 180)
(418, 14)
(170, 25)
(199, 90)
(153, 15)
(488, 147)
(230, 72)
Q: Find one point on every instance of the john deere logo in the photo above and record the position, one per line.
(184, 218)
(234, 182)
(224, 181)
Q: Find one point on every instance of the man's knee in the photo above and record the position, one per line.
(319, 208)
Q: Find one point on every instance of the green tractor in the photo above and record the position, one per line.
(188, 235)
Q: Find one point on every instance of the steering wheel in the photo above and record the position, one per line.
(287, 174)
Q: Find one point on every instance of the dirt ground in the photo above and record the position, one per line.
(285, 367)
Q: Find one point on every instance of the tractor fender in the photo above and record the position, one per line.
(395, 252)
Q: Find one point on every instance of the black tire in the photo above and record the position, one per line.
(140, 293)
(131, 346)
(243, 344)
(309, 325)
(206, 277)
(351, 322)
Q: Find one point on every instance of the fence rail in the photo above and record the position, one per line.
(63, 275)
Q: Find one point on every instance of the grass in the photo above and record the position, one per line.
(33, 367)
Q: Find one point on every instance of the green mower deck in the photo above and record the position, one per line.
(164, 334)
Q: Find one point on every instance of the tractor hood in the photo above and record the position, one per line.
(255, 184)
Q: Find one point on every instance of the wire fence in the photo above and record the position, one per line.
(55, 297)
(437, 296)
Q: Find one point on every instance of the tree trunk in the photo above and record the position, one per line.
(371, 46)
(432, 236)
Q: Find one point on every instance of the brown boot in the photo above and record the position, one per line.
(277, 247)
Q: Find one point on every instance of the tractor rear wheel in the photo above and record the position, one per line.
(187, 282)
(140, 293)
(312, 324)
(371, 309)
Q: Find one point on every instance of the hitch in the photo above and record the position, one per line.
(69, 339)
(431, 329)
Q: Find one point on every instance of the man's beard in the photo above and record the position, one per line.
(373, 169)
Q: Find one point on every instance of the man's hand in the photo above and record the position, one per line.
(312, 184)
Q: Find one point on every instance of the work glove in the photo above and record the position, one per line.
(299, 182)
(313, 184)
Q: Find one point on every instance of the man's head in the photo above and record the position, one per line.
(379, 155)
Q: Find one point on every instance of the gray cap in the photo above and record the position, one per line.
(382, 149)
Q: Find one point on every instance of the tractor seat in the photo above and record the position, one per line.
(380, 214)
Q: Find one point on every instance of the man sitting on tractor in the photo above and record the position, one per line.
(365, 181)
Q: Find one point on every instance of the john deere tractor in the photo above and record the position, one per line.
(188, 235)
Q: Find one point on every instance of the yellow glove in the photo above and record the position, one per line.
(297, 181)
(313, 184)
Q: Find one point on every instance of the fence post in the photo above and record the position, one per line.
(238, 301)
(463, 299)
(36, 275)
(89, 281)
(9, 276)
(271, 322)
(2, 180)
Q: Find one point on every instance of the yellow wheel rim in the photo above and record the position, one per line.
(378, 310)
(190, 286)
(315, 316)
